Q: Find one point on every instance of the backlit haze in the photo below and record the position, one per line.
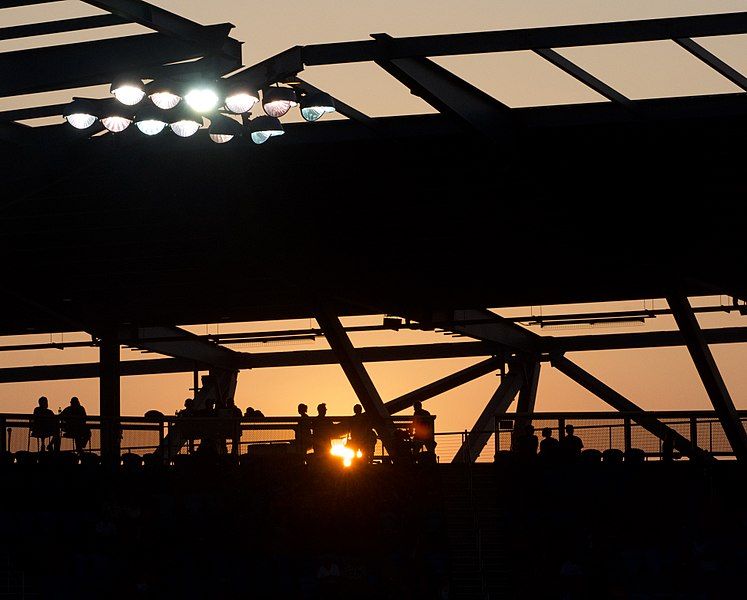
(654, 379)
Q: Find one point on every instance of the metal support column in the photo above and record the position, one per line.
(109, 399)
(528, 393)
(359, 378)
(484, 426)
(709, 374)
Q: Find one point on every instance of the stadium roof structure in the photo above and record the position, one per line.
(429, 217)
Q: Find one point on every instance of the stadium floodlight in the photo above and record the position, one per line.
(263, 128)
(151, 120)
(184, 123)
(128, 89)
(277, 101)
(202, 97)
(116, 118)
(163, 93)
(314, 106)
(241, 99)
(80, 113)
(223, 129)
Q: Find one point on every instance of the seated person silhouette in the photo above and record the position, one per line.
(422, 429)
(549, 447)
(303, 430)
(253, 413)
(73, 421)
(324, 431)
(362, 437)
(44, 426)
(571, 445)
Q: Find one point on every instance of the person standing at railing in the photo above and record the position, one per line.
(73, 420)
(571, 445)
(324, 431)
(422, 429)
(303, 430)
(549, 447)
(362, 437)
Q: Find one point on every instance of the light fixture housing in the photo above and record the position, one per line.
(115, 117)
(185, 123)
(80, 113)
(202, 97)
(241, 99)
(277, 101)
(223, 129)
(151, 120)
(315, 105)
(163, 94)
(128, 89)
(263, 128)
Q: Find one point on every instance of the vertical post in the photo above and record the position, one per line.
(3, 438)
(694, 430)
(109, 399)
(528, 393)
(709, 373)
(627, 433)
(561, 428)
(496, 439)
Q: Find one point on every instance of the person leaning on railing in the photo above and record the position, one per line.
(303, 430)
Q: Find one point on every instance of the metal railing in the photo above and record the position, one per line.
(175, 435)
(597, 430)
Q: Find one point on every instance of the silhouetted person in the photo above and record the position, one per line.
(571, 445)
(549, 447)
(323, 431)
(667, 447)
(44, 425)
(253, 413)
(303, 430)
(362, 437)
(74, 424)
(422, 429)
(188, 410)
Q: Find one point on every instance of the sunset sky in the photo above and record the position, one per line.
(655, 379)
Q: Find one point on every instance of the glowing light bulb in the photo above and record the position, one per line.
(185, 127)
(116, 124)
(241, 103)
(129, 94)
(81, 120)
(151, 126)
(201, 100)
(165, 100)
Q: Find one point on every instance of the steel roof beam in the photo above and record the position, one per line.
(566, 36)
(713, 61)
(168, 23)
(91, 63)
(444, 384)
(583, 76)
(62, 26)
(448, 93)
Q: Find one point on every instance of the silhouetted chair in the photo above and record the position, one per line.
(635, 456)
(613, 456)
(590, 455)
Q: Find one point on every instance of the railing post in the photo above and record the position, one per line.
(561, 428)
(627, 434)
(497, 439)
(694, 431)
(3, 439)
